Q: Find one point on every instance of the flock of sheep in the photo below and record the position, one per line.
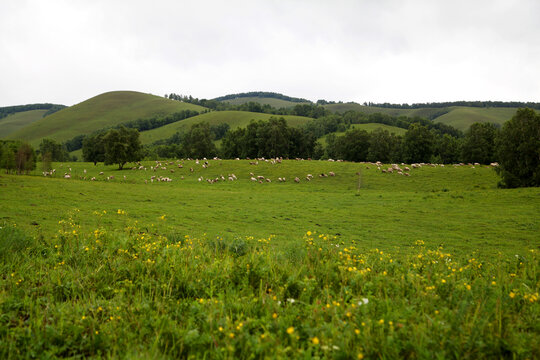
(172, 166)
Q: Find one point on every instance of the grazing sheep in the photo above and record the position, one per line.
(253, 179)
(296, 180)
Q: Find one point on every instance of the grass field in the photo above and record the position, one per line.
(17, 121)
(235, 119)
(102, 111)
(441, 264)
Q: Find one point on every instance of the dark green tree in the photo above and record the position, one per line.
(25, 158)
(199, 141)
(383, 146)
(55, 150)
(479, 144)
(122, 145)
(518, 150)
(447, 149)
(353, 146)
(94, 148)
(417, 144)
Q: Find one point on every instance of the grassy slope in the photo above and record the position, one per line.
(18, 121)
(369, 128)
(462, 117)
(277, 103)
(99, 112)
(233, 118)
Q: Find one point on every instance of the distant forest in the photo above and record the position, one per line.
(261, 94)
(8, 110)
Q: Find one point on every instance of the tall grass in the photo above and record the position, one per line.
(142, 291)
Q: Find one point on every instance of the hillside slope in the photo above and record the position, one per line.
(235, 119)
(17, 121)
(99, 112)
(462, 117)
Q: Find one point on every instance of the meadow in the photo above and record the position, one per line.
(441, 264)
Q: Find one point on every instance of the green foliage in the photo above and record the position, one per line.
(53, 150)
(479, 144)
(384, 146)
(418, 144)
(270, 139)
(93, 148)
(17, 156)
(353, 146)
(198, 142)
(121, 146)
(447, 149)
(518, 150)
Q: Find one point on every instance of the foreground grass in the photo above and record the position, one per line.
(147, 292)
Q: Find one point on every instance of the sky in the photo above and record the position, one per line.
(402, 51)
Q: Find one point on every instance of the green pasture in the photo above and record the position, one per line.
(99, 112)
(17, 121)
(360, 265)
(460, 207)
(235, 119)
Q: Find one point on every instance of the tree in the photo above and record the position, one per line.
(479, 144)
(55, 151)
(25, 158)
(93, 148)
(199, 141)
(383, 146)
(122, 145)
(518, 150)
(353, 146)
(447, 149)
(418, 144)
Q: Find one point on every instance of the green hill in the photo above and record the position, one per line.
(99, 112)
(14, 122)
(462, 117)
(233, 118)
(369, 128)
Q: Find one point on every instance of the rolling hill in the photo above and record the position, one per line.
(460, 117)
(234, 118)
(99, 112)
(17, 121)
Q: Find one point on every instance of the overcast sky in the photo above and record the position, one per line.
(367, 50)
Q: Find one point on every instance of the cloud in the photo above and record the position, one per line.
(395, 51)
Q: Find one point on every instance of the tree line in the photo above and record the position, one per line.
(516, 146)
